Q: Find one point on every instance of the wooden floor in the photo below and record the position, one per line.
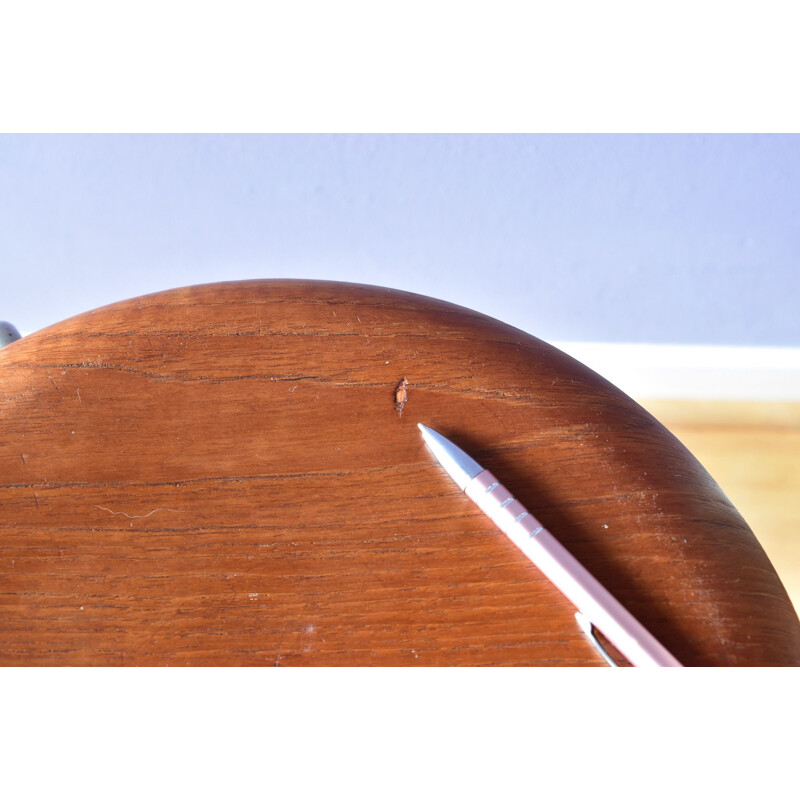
(753, 452)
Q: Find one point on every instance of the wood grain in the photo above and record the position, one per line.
(219, 475)
(753, 451)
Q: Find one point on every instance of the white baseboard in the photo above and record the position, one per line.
(695, 372)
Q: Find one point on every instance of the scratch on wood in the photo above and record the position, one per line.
(79, 395)
(401, 396)
(135, 516)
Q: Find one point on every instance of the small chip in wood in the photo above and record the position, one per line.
(401, 396)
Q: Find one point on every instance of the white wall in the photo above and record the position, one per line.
(676, 239)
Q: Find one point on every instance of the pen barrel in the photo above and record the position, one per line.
(577, 584)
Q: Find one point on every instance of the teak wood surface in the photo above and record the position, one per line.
(221, 475)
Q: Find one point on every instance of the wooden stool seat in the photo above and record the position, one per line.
(221, 475)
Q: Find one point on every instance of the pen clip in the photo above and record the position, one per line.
(588, 629)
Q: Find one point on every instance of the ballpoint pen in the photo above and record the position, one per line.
(597, 608)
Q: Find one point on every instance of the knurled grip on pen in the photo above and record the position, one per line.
(626, 633)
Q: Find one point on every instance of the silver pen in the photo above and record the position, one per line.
(597, 608)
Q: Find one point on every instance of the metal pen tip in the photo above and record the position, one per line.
(428, 434)
(461, 468)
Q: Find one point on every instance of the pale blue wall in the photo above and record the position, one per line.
(606, 238)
